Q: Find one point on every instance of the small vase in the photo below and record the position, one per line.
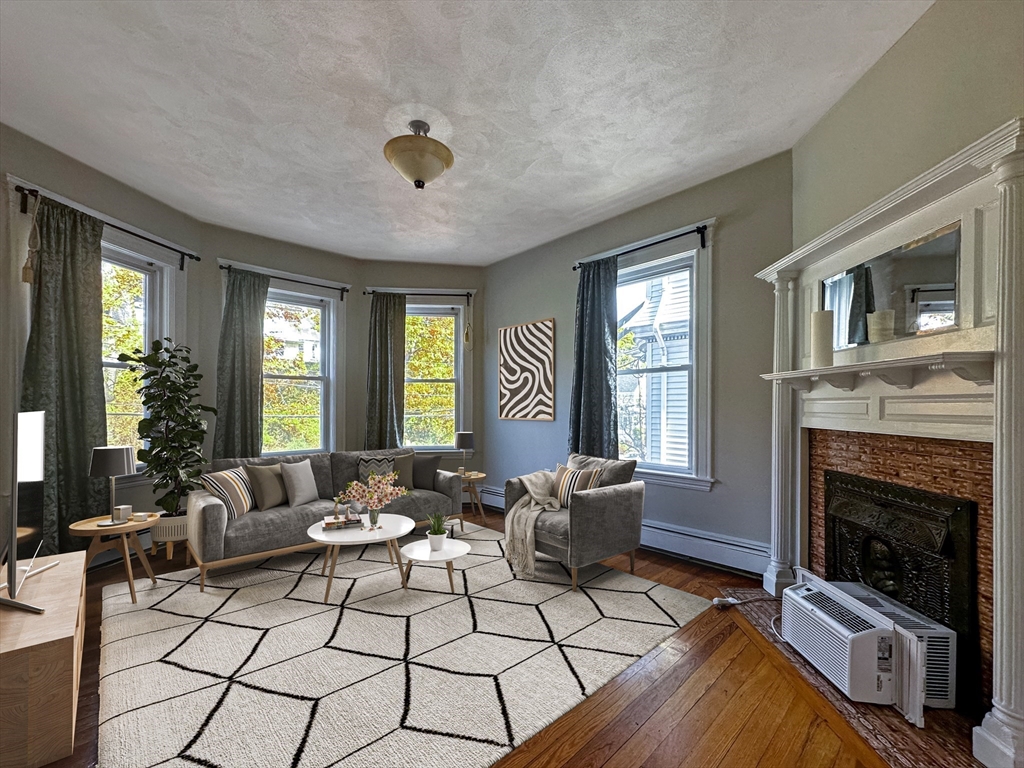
(336, 516)
(374, 515)
(437, 541)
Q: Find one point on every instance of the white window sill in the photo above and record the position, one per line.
(674, 480)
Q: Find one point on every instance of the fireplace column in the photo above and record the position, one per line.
(999, 740)
(784, 514)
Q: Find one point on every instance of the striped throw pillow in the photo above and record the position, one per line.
(569, 481)
(379, 466)
(232, 487)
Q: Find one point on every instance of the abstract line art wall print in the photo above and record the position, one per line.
(526, 371)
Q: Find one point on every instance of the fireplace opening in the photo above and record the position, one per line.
(914, 546)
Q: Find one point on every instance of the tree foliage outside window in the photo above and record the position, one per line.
(124, 329)
(293, 377)
(430, 379)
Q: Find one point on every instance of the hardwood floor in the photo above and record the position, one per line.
(714, 694)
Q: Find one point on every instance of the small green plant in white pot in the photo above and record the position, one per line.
(436, 533)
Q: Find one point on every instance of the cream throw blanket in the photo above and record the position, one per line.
(520, 549)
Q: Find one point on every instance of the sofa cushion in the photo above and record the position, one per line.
(320, 462)
(232, 487)
(424, 469)
(419, 504)
(267, 485)
(613, 471)
(299, 482)
(553, 527)
(568, 481)
(275, 528)
(403, 466)
(345, 464)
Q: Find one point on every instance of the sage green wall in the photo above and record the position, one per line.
(27, 158)
(956, 75)
(753, 207)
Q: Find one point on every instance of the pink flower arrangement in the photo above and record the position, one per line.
(377, 492)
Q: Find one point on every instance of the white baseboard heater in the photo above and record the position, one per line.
(871, 647)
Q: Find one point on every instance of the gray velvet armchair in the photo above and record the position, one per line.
(598, 523)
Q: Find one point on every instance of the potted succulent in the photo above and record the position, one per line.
(173, 428)
(376, 493)
(436, 533)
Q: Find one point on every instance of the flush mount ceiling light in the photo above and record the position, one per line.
(419, 158)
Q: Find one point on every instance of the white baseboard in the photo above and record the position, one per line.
(730, 551)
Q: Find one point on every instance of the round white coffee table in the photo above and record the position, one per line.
(420, 552)
(390, 527)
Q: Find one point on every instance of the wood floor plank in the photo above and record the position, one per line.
(680, 719)
(821, 748)
(789, 739)
(695, 741)
(748, 746)
(610, 738)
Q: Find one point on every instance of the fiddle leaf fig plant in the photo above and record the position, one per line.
(173, 427)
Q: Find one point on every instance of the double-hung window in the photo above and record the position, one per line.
(298, 371)
(663, 382)
(436, 391)
(136, 310)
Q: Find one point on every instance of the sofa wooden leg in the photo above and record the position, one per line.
(573, 579)
(632, 560)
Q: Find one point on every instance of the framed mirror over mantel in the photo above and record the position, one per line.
(910, 290)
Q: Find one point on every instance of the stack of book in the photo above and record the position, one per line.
(332, 524)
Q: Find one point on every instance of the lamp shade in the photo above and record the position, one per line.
(30, 446)
(112, 461)
(464, 441)
(419, 158)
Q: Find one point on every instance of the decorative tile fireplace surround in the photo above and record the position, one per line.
(941, 412)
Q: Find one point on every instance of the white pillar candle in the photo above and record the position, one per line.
(821, 339)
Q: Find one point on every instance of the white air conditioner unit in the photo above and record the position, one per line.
(870, 657)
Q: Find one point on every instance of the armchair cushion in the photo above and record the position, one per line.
(553, 528)
(613, 471)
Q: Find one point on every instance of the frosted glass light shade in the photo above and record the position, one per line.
(420, 159)
(30, 446)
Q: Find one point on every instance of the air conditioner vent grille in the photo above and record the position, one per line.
(837, 611)
(820, 644)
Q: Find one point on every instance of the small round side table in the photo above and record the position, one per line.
(124, 535)
(420, 552)
(471, 479)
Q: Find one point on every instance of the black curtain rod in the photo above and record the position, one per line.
(467, 295)
(182, 255)
(696, 230)
(342, 290)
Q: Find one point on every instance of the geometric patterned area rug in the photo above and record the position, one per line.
(258, 671)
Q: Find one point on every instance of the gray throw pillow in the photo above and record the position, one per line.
(403, 466)
(424, 469)
(377, 465)
(267, 485)
(299, 483)
(613, 471)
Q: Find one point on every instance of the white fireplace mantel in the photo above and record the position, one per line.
(967, 383)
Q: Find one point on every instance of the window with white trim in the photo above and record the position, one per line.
(663, 362)
(298, 373)
(135, 312)
(434, 382)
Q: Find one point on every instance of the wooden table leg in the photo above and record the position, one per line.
(327, 556)
(391, 555)
(141, 552)
(95, 547)
(330, 579)
(398, 557)
(475, 494)
(128, 566)
(405, 581)
(451, 580)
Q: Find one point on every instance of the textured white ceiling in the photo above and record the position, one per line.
(270, 117)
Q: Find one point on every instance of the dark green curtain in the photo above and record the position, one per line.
(239, 430)
(862, 304)
(385, 378)
(593, 411)
(63, 374)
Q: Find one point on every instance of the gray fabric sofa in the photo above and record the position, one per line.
(215, 541)
(598, 523)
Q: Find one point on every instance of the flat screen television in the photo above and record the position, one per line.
(21, 523)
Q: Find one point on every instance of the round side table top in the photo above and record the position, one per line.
(420, 551)
(474, 476)
(394, 526)
(91, 527)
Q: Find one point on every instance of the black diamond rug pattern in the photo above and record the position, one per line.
(258, 671)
